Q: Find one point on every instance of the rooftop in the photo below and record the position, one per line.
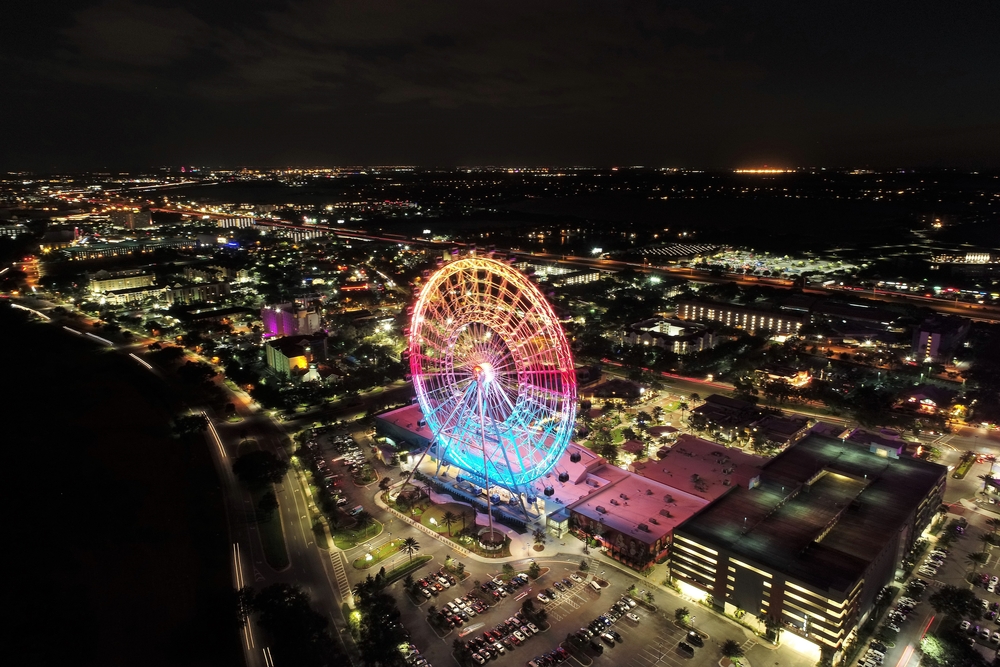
(630, 501)
(824, 509)
(701, 467)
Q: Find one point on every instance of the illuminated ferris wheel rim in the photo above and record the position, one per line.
(492, 371)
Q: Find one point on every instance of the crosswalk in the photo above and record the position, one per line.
(340, 573)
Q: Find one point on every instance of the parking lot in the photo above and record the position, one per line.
(652, 641)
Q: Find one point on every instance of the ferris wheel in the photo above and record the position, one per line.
(492, 372)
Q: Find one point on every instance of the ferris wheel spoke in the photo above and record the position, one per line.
(432, 417)
(463, 423)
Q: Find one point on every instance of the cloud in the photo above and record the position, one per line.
(444, 55)
(134, 35)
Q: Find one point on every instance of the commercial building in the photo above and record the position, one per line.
(197, 292)
(291, 356)
(743, 317)
(676, 336)
(810, 542)
(700, 467)
(631, 516)
(289, 319)
(937, 338)
(91, 251)
(105, 281)
(131, 219)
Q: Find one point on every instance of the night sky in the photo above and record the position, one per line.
(126, 84)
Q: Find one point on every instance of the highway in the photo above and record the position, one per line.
(973, 311)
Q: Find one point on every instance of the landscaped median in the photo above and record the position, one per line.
(968, 460)
(348, 539)
(376, 556)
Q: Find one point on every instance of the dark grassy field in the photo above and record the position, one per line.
(116, 544)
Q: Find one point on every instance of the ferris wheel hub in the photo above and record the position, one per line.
(483, 372)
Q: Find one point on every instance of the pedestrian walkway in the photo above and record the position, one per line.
(340, 572)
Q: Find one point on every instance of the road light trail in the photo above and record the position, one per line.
(72, 330)
(215, 435)
(148, 367)
(103, 340)
(31, 310)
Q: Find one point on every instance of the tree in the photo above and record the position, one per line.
(364, 519)
(953, 601)
(508, 569)
(410, 546)
(976, 560)
(609, 451)
(986, 539)
(987, 480)
(694, 397)
(533, 571)
(731, 649)
(190, 424)
(384, 483)
(539, 536)
(993, 524)
(259, 468)
(461, 651)
(681, 615)
(448, 519)
(408, 582)
(266, 506)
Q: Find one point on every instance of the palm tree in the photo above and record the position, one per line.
(658, 413)
(694, 397)
(448, 519)
(410, 546)
(976, 560)
(731, 649)
(683, 406)
(681, 615)
(364, 520)
(539, 536)
(993, 524)
(987, 479)
(986, 539)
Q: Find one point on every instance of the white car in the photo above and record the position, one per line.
(478, 658)
(577, 578)
(542, 597)
(994, 579)
(632, 617)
